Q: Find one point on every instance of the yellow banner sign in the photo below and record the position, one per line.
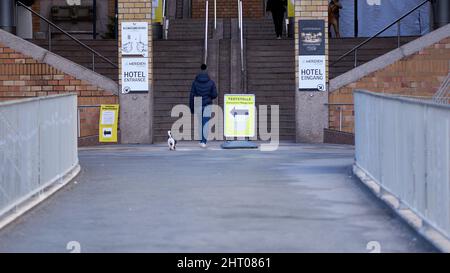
(109, 117)
(291, 8)
(239, 115)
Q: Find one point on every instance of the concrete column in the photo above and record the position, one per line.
(25, 24)
(136, 109)
(310, 107)
(187, 6)
(441, 13)
(7, 21)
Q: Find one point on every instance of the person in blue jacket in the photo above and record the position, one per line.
(205, 88)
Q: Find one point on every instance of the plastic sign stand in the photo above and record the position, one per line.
(109, 117)
(239, 120)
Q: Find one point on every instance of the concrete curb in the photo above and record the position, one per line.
(389, 58)
(44, 56)
(32, 202)
(417, 222)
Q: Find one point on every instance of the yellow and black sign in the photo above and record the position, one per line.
(239, 115)
(109, 117)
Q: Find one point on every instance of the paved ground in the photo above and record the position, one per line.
(300, 198)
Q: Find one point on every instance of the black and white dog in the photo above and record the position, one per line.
(171, 142)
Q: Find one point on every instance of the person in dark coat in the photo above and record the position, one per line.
(278, 8)
(205, 88)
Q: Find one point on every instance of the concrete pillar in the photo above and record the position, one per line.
(310, 107)
(187, 5)
(25, 23)
(441, 13)
(7, 21)
(136, 109)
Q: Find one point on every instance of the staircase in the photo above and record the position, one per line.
(78, 54)
(257, 29)
(176, 63)
(271, 72)
(189, 29)
(373, 49)
(179, 9)
(270, 65)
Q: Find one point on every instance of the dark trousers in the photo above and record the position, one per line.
(203, 119)
(278, 17)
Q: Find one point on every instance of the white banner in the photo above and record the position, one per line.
(135, 39)
(134, 75)
(312, 73)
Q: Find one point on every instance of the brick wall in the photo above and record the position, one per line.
(419, 75)
(228, 8)
(22, 77)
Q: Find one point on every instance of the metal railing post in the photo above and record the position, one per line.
(205, 59)
(356, 58)
(94, 20)
(53, 25)
(380, 32)
(93, 62)
(215, 14)
(239, 13)
(241, 19)
(49, 34)
(164, 21)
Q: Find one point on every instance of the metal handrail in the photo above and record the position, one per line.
(215, 14)
(205, 57)
(241, 35)
(165, 21)
(355, 49)
(70, 36)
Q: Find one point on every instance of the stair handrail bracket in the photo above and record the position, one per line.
(51, 24)
(397, 21)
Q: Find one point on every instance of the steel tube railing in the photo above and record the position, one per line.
(380, 32)
(215, 14)
(205, 57)
(241, 33)
(51, 24)
(164, 21)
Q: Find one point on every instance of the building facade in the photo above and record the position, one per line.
(272, 71)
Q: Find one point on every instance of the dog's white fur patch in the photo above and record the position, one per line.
(171, 142)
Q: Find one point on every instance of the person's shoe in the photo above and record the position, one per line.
(203, 145)
(278, 37)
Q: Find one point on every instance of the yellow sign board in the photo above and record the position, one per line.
(239, 115)
(109, 117)
(291, 8)
(157, 11)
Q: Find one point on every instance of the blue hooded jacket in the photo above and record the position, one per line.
(203, 87)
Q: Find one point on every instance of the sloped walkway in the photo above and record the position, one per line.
(300, 198)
